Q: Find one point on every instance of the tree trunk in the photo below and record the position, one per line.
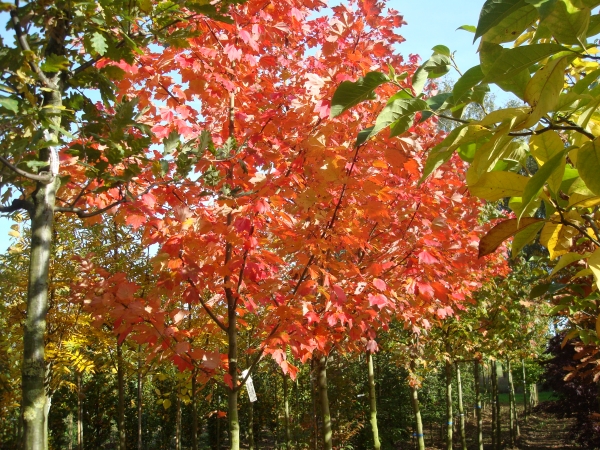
(232, 391)
(79, 413)
(251, 443)
(315, 415)
(514, 419)
(178, 421)
(286, 411)
(495, 445)
(322, 384)
(461, 410)
(121, 395)
(478, 406)
(448, 370)
(33, 369)
(194, 412)
(415, 404)
(524, 391)
(511, 405)
(139, 402)
(373, 402)
(496, 405)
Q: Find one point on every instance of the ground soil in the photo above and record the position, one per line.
(541, 431)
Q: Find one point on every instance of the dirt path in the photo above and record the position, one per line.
(545, 431)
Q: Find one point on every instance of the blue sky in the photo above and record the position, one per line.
(429, 23)
(433, 22)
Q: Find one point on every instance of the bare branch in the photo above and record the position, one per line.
(46, 178)
(16, 205)
(21, 38)
(209, 311)
(257, 358)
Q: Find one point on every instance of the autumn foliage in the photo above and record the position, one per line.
(262, 206)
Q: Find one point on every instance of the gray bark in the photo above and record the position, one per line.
(322, 384)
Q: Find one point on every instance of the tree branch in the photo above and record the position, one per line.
(46, 178)
(257, 358)
(209, 311)
(555, 127)
(22, 40)
(16, 205)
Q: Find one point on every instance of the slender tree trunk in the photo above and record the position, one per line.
(121, 395)
(373, 402)
(178, 422)
(524, 391)
(322, 384)
(79, 413)
(33, 368)
(139, 401)
(313, 391)
(495, 445)
(478, 405)
(461, 410)
(511, 405)
(496, 405)
(194, 412)
(448, 370)
(417, 411)
(286, 412)
(251, 443)
(218, 423)
(516, 432)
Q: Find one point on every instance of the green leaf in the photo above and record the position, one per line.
(349, 94)
(588, 165)
(511, 26)
(515, 60)
(171, 142)
(543, 91)
(537, 181)
(469, 28)
(442, 152)
(436, 66)
(502, 231)
(493, 186)
(567, 23)
(435, 103)
(582, 85)
(10, 103)
(524, 237)
(493, 12)
(441, 49)
(99, 44)
(470, 78)
(399, 113)
(539, 290)
(55, 63)
(566, 259)
(363, 135)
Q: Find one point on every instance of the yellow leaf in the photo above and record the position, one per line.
(493, 186)
(583, 273)
(544, 88)
(556, 237)
(567, 259)
(594, 265)
(544, 146)
(583, 201)
(166, 403)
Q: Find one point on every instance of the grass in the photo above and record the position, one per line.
(543, 396)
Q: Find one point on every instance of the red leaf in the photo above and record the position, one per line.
(379, 284)
(427, 258)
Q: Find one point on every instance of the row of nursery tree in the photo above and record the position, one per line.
(105, 391)
(219, 188)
